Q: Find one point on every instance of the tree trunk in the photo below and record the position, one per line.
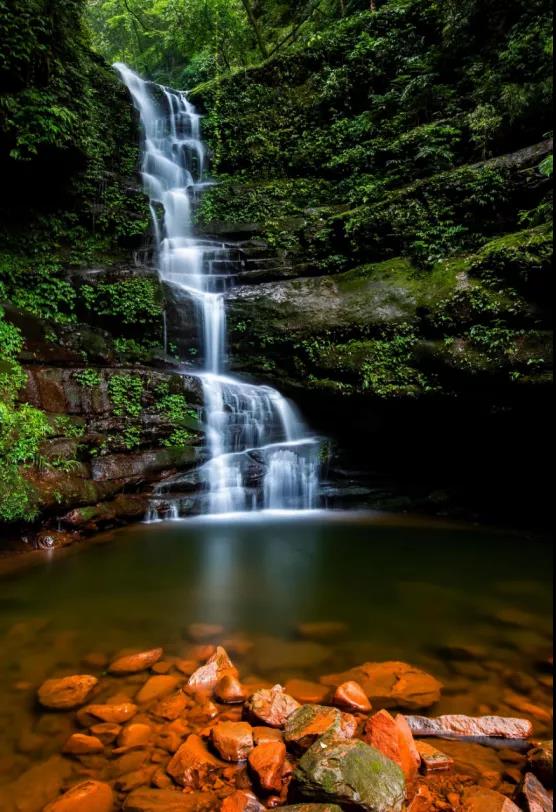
(256, 28)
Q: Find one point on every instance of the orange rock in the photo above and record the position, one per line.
(307, 692)
(66, 693)
(267, 763)
(480, 799)
(134, 663)
(135, 779)
(392, 684)
(192, 762)
(137, 734)
(218, 666)
(110, 713)
(242, 801)
(80, 745)
(351, 696)
(432, 759)
(271, 706)
(394, 740)
(156, 687)
(263, 735)
(95, 659)
(229, 690)
(424, 801)
(168, 800)
(233, 740)
(310, 722)
(172, 707)
(89, 796)
(106, 732)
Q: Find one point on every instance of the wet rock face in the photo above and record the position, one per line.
(392, 684)
(352, 774)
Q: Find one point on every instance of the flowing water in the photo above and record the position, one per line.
(260, 454)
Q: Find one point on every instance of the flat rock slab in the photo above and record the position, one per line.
(392, 684)
(169, 800)
(459, 727)
(351, 774)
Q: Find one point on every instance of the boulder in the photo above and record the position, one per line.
(533, 797)
(233, 740)
(169, 800)
(310, 722)
(271, 707)
(66, 693)
(350, 774)
(459, 726)
(134, 663)
(540, 761)
(394, 739)
(392, 684)
(89, 796)
(267, 763)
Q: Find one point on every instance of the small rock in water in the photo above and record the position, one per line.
(458, 726)
(233, 740)
(80, 745)
(267, 763)
(272, 707)
(191, 761)
(134, 663)
(107, 732)
(541, 763)
(307, 692)
(66, 693)
(169, 800)
(217, 666)
(351, 696)
(350, 773)
(137, 734)
(394, 739)
(533, 796)
(202, 632)
(433, 760)
(480, 799)
(263, 735)
(156, 687)
(392, 684)
(89, 796)
(229, 690)
(171, 707)
(310, 722)
(242, 801)
(120, 712)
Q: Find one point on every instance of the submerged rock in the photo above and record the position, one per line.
(352, 774)
(134, 663)
(481, 799)
(81, 745)
(392, 684)
(90, 796)
(66, 693)
(459, 726)
(242, 801)
(169, 800)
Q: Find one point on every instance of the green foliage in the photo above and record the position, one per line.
(126, 393)
(37, 284)
(88, 378)
(134, 302)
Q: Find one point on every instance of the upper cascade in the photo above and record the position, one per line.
(259, 453)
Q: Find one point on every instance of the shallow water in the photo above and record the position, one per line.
(406, 589)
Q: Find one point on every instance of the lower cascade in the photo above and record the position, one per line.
(260, 455)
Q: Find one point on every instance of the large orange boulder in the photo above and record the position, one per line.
(89, 796)
(392, 684)
(394, 739)
(66, 693)
(134, 663)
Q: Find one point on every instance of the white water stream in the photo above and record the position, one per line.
(260, 456)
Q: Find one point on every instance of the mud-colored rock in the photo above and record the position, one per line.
(459, 726)
(533, 797)
(350, 696)
(267, 764)
(135, 779)
(66, 693)
(394, 739)
(229, 690)
(171, 707)
(271, 707)
(192, 763)
(137, 734)
(233, 740)
(392, 684)
(242, 801)
(540, 761)
(81, 745)
(116, 714)
(217, 666)
(480, 799)
(134, 663)
(36, 786)
(169, 800)
(156, 687)
(351, 774)
(89, 796)
(306, 692)
(310, 722)
(263, 735)
(433, 760)
(107, 732)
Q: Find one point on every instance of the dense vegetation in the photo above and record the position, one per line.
(375, 144)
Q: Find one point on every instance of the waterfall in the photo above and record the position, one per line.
(260, 455)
